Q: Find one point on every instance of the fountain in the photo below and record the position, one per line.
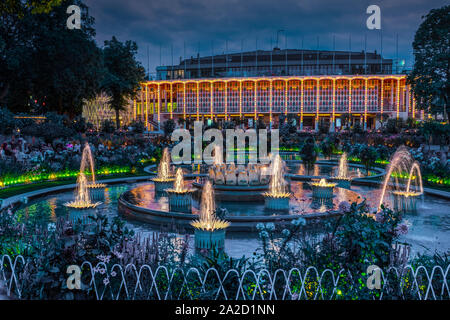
(322, 189)
(209, 230)
(82, 199)
(88, 159)
(277, 198)
(164, 179)
(180, 198)
(403, 168)
(235, 182)
(218, 156)
(343, 180)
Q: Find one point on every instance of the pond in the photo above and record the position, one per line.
(429, 228)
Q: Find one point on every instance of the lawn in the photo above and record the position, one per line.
(23, 188)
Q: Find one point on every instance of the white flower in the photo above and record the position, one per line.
(298, 222)
(286, 232)
(51, 227)
(270, 226)
(263, 234)
(260, 226)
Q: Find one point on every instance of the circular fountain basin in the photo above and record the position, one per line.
(180, 201)
(405, 201)
(322, 192)
(245, 193)
(428, 227)
(277, 202)
(162, 184)
(207, 240)
(143, 204)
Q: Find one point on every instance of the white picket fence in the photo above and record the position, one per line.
(131, 282)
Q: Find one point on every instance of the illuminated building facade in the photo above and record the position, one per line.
(310, 100)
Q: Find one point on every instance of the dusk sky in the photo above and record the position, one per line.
(210, 23)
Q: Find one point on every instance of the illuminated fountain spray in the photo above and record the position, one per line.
(82, 198)
(278, 197)
(87, 160)
(343, 180)
(164, 179)
(209, 230)
(180, 198)
(404, 180)
(218, 156)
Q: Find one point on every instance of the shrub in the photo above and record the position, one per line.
(108, 126)
(168, 127)
(8, 123)
(308, 153)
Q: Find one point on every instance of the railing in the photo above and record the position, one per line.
(131, 282)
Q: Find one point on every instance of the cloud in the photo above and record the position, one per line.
(174, 24)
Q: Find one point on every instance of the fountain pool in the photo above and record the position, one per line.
(429, 227)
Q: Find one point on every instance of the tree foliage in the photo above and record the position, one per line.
(123, 73)
(43, 62)
(430, 78)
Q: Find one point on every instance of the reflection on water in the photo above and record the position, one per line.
(300, 203)
(293, 168)
(429, 227)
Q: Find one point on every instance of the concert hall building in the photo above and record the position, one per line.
(312, 87)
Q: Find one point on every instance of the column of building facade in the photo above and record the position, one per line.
(301, 104)
(146, 107)
(198, 101)
(171, 101)
(270, 104)
(285, 97)
(397, 100)
(332, 125)
(226, 100)
(365, 103)
(256, 100)
(142, 101)
(184, 103)
(382, 99)
(211, 99)
(240, 99)
(134, 109)
(350, 100)
(316, 122)
(159, 106)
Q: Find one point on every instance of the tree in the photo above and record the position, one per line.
(368, 156)
(308, 153)
(123, 73)
(430, 78)
(43, 59)
(168, 127)
(327, 146)
(18, 7)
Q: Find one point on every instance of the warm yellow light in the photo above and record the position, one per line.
(323, 183)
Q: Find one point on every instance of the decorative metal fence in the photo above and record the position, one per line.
(116, 282)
